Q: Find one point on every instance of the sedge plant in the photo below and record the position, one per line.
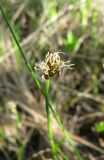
(52, 65)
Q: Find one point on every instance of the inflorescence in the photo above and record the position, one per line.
(53, 64)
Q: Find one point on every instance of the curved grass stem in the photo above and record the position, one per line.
(65, 133)
(38, 85)
(46, 96)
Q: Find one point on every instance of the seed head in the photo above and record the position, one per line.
(53, 65)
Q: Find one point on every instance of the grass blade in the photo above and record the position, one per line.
(20, 49)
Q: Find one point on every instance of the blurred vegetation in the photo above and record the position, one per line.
(75, 27)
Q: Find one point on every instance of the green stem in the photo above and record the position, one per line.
(53, 146)
(65, 133)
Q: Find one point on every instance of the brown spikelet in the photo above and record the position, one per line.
(52, 64)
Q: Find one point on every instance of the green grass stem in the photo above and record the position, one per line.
(53, 146)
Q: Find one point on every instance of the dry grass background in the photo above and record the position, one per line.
(77, 96)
